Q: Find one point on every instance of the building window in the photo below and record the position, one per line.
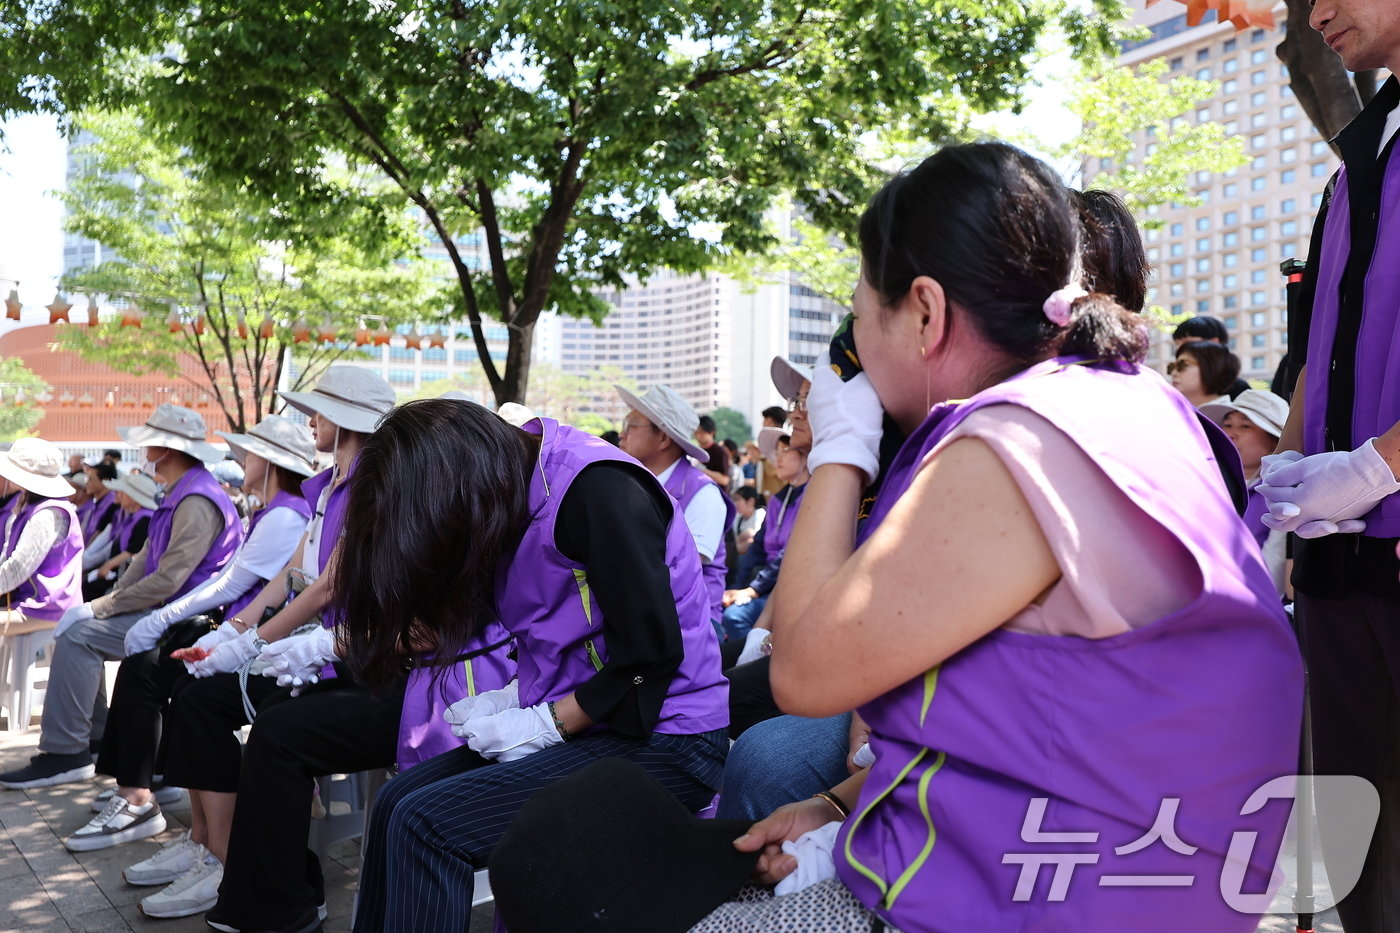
(1258, 254)
(1256, 363)
(1258, 234)
(1319, 147)
(1230, 281)
(1203, 306)
(1231, 218)
(1256, 184)
(1230, 86)
(1230, 239)
(1257, 298)
(1256, 120)
(1177, 229)
(1177, 289)
(1202, 55)
(1257, 277)
(1202, 74)
(1203, 264)
(1257, 57)
(1288, 155)
(1176, 269)
(1287, 206)
(1230, 106)
(1228, 45)
(1202, 244)
(1258, 340)
(1258, 164)
(1288, 228)
(1258, 77)
(1231, 66)
(1259, 318)
(1288, 176)
(1175, 64)
(1287, 250)
(1230, 301)
(1317, 170)
(1231, 190)
(1256, 212)
(1257, 99)
(1229, 260)
(1203, 286)
(1176, 249)
(1202, 223)
(1258, 140)
(1287, 133)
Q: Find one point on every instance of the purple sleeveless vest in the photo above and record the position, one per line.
(333, 520)
(196, 482)
(1254, 514)
(103, 514)
(684, 484)
(57, 585)
(85, 514)
(1377, 397)
(545, 602)
(127, 528)
(283, 500)
(775, 536)
(423, 733)
(1203, 705)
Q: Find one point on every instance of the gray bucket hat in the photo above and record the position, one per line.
(138, 486)
(175, 427)
(35, 464)
(350, 397)
(672, 414)
(277, 440)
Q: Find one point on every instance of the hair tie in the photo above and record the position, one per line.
(1058, 305)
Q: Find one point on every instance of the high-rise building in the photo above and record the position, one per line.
(1222, 258)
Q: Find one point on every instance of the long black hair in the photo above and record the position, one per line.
(439, 497)
(1115, 262)
(995, 227)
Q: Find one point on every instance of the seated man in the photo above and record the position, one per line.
(192, 534)
(657, 432)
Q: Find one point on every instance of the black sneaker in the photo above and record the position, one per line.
(46, 770)
(216, 920)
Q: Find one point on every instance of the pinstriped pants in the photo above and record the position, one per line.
(432, 827)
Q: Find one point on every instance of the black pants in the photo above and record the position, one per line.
(131, 743)
(202, 752)
(1352, 648)
(335, 726)
(750, 693)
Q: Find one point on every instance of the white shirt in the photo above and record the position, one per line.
(1392, 123)
(260, 557)
(704, 515)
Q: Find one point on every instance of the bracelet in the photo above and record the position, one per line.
(239, 624)
(835, 802)
(558, 723)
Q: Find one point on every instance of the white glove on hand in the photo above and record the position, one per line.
(864, 756)
(753, 645)
(79, 613)
(1270, 462)
(227, 631)
(815, 862)
(847, 421)
(483, 704)
(510, 734)
(227, 656)
(298, 656)
(1327, 493)
(145, 633)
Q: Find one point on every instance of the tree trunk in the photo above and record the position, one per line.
(515, 380)
(1320, 82)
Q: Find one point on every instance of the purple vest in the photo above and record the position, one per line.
(684, 484)
(124, 527)
(1254, 514)
(283, 500)
(423, 733)
(57, 585)
(1377, 397)
(545, 602)
(196, 482)
(1203, 705)
(332, 525)
(85, 512)
(103, 513)
(778, 525)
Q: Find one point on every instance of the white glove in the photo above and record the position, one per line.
(225, 632)
(753, 645)
(79, 613)
(1327, 493)
(815, 862)
(510, 734)
(145, 633)
(298, 656)
(227, 656)
(864, 756)
(847, 421)
(1270, 462)
(483, 704)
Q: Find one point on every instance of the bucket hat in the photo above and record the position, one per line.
(788, 376)
(768, 442)
(350, 397)
(175, 427)
(672, 415)
(664, 869)
(1265, 409)
(515, 413)
(36, 465)
(138, 486)
(277, 440)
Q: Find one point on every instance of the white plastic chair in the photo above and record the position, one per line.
(23, 680)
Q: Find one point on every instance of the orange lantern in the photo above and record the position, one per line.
(132, 316)
(110, 400)
(361, 336)
(265, 330)
(66, 399)
(58, 309)
(438, 339)
(1242, 13)
(172, 320)
(242, 326)
(86, 400)
(92, 311)
(327, 332)
(128, 401)
(414, 340)
(198, 324)
(381, 336)
(13, 305)
(301, 331)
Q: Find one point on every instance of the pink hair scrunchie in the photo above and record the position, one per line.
(1058, 305)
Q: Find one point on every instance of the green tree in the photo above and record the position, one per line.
(18, 386)
(583, 142)
(192, 254)
(1114, 104)
(731, 424)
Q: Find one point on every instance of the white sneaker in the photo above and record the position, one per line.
(163, 795)
(194, 892)
(118, 823)
(173, 860)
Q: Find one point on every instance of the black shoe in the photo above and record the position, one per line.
(311, 924)
(46, 770)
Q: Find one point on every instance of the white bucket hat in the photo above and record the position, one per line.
(177, 428)
(35, 464)
(349, 397)
(278, 441)
(672, 414)
(514, 413)
(788, 376)
(1265, 409)
(768, 442)
(138, 486)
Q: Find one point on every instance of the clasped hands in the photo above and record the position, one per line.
(1325, 493)
(495, 727)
